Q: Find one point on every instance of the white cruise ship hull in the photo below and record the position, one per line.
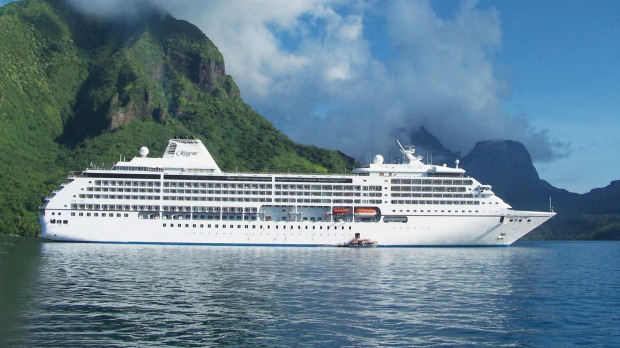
(184, 198)
(417, 231)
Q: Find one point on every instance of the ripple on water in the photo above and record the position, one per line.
(532, 294)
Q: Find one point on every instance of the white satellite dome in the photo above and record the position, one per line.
(144, 151)
(378, 159)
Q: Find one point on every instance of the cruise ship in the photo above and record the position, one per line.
(184, 198)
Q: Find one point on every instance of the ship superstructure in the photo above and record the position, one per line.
(184, 198)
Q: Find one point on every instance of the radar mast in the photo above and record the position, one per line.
(408, 152)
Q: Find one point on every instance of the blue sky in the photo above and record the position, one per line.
(355, 74)
(565, 60)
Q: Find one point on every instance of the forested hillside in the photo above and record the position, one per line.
(76, 90)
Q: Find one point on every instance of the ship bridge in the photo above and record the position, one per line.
(412, 165)
(180, 155)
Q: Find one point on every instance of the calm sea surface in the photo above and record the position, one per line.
(533, 294)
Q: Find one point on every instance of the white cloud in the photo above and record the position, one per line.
(311, 68)
(244, 33)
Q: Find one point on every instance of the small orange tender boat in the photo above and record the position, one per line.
(366, 211)
(341, 210)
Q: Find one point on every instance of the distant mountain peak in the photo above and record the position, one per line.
(431, 148)
(508, 156)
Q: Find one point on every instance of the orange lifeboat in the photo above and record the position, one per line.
(366, 211)
(341, 210)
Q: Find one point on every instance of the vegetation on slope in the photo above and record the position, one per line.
(76, 90)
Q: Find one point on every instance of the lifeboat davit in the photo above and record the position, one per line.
(341, 210)
(366, 211)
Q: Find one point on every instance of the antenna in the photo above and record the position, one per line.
(431, 147)
(550, 206)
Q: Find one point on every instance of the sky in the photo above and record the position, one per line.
(355, 75)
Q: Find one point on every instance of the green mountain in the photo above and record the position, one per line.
(76, 89)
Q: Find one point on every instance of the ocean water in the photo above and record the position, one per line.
(533, 294)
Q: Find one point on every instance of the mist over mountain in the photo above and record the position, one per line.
(76, 88)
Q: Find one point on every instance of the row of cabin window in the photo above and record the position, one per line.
(138, 169)
(429, 188)
(141, 198)
(268, 193)
(318, 193)
(470, 202)
(216, 199)
(126, 183)
(431, 182)
(255, 226)
(327, 201)
(238, 217)
(224, 210)
(277, 193)
(434, 195)
(219, 192)
(114, 207)
(326, 187)
(122, 189)
(98, 214)
(327, 193)
(194, 184)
